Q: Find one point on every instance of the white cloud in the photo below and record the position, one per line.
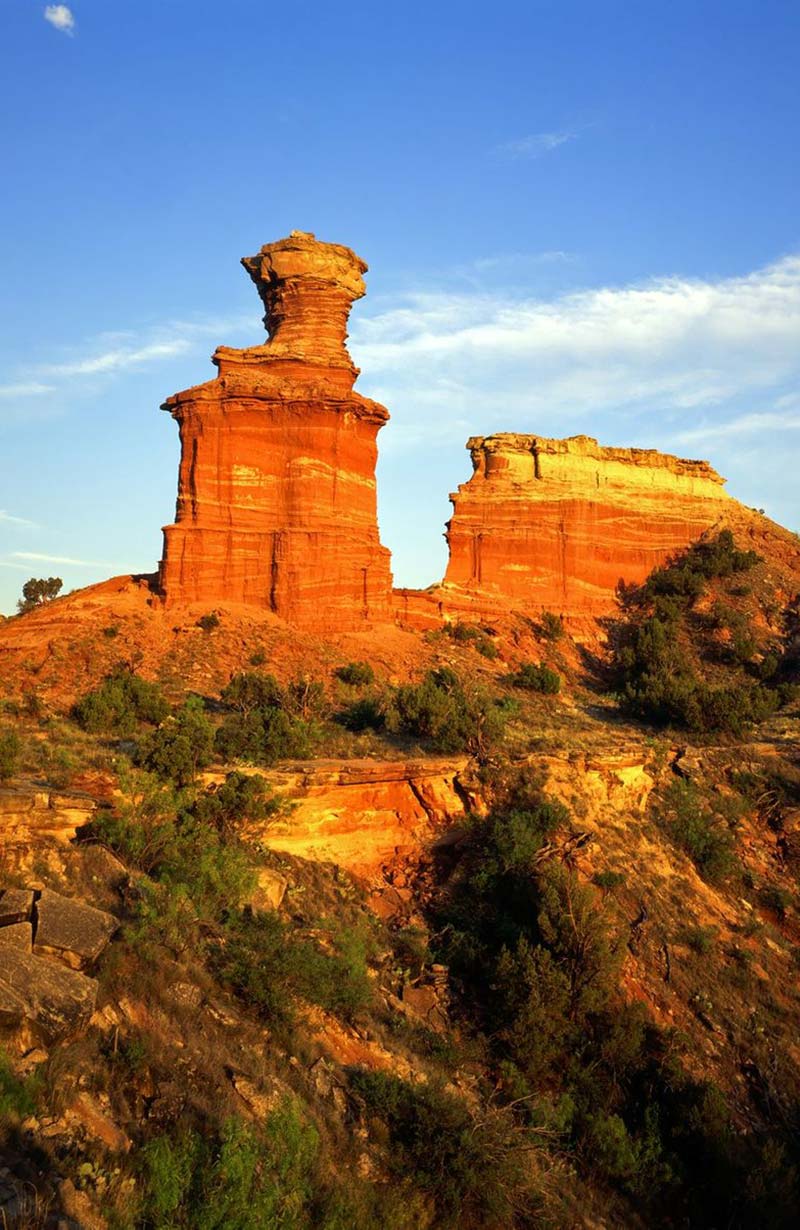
(31, 389)
(670, 346)
(60, 16)
(536, 144)
(7, 518)
(39, 558)
(744, 425)
(119, 359)
(4, 563)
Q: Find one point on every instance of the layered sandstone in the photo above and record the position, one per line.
(276, 491)
(558, 524)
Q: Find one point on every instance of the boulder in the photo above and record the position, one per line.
(270, 891)
(18, 936)
(16, 905)
(57, 1000)
(12, 1005)
(69, 929)
(423, 1002)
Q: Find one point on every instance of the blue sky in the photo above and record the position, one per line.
(579, 217)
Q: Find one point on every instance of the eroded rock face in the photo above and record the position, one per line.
(365, 815)
(276, 491)
(557, 524)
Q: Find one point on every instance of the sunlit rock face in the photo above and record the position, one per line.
(276, 491)
(558, 524)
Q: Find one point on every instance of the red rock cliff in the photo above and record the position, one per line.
(276, 491)
(556, 524)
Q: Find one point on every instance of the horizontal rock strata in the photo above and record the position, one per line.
(276, 492)
(558, 524)
(364, 815)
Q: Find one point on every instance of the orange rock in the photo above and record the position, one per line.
(557, 524)
(276, 493)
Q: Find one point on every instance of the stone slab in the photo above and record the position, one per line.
(58, 1000)
(16, 935)
(71, 930)
(16, 905)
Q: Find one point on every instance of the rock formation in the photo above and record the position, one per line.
(276, 492)
(557, 524)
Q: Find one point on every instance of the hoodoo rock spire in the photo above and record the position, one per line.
(276, 492)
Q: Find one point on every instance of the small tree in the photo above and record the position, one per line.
(9, 754)
(37, 591)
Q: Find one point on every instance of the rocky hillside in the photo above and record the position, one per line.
(473, 927)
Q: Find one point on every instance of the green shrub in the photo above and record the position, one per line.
(258, 658)
(119, 704)
(266, 964)
(703, 834)
(241, 1178)
(656, 677)
(180, 747)
(659, 684)
(462, 633)
(241, 796)
(472, 634)
(369, 713)
(10, 748)
(550, 626)
(609, 879)
(264, 723)
(700, 939)
(773, 897)
(448, 715)
(357, 674)
(17, 1096)
(471, 1167)
(686, 576)
(209, 622)
(536, 678)
(202, 868)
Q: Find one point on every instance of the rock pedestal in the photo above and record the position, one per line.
(276, 492)
(557, 524)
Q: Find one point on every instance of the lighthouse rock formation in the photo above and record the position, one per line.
(276, 491)
(558, 524)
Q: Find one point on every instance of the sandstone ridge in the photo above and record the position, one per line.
(558, 524)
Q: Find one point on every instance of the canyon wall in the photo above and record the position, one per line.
(276, 491)
(557, 524)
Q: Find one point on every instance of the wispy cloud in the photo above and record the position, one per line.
(503, 260)
(743, 425)
(60, 16)
(38, 557)
(113, 353)
(120, 358)
(7, 518)
(4, 563)
(32, 389)
(536, 144)
(665, 347)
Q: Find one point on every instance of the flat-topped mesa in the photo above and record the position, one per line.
(276, 491)
(557, 524)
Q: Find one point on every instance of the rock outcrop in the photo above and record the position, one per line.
(365, 815)
(557, 524)
(50, 995)
(276, 492)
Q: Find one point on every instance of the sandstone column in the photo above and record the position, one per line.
(276, 491)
